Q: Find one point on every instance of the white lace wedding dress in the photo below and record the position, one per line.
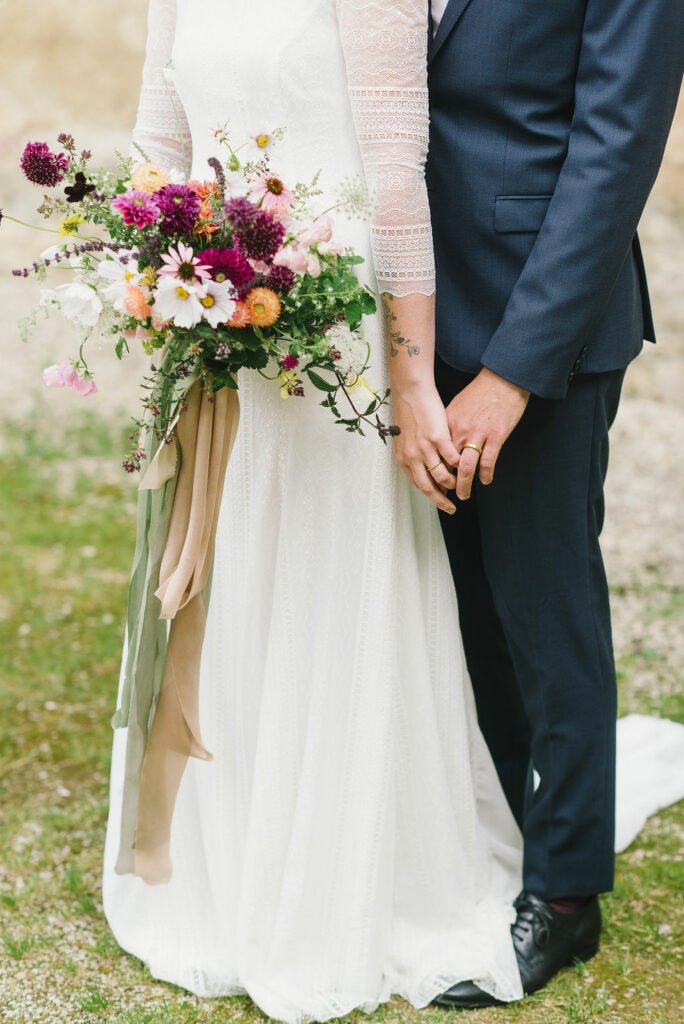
(350, 839)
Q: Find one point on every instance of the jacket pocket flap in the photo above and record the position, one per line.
(520, 214)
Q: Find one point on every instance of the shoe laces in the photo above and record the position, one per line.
(534, 917)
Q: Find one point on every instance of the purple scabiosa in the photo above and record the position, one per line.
(282, 280)
(138, 209)
(261, 239)
(228, 265)
(179, 206)
(43, 167)
(240, 212)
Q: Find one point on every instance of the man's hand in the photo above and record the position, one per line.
(483, 414)
(424, 449)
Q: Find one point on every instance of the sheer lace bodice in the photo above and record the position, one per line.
(384, 43)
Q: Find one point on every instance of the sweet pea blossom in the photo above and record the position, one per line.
(65, 375)
(77, 301)
(316, 231)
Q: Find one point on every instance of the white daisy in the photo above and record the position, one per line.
(217, 302)
(181, 303)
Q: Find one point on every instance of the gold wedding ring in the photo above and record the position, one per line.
(475, 447)
(435, 466)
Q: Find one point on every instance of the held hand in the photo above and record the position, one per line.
(483, 415)
(424, 448)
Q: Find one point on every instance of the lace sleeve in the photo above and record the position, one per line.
(385, 45)
(161, 128)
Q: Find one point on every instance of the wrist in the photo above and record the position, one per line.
(491, 377)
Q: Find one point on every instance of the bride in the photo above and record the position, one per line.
(350, 839)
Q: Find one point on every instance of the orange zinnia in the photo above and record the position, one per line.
(264, 307)
(136, 304)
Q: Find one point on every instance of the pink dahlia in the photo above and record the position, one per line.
(228, 265)
(179, 207)
(137, 208)
(43, 167)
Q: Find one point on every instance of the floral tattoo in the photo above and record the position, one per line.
(395, 338)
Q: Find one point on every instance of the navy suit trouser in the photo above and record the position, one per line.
(535, 618)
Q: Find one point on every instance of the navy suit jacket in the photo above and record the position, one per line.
(549, 122)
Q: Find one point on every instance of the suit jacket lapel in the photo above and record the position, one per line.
(453, 12)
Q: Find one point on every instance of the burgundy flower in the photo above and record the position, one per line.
(240, 212)
(43, 167)
(282, 280)
(262, 238)
(179, 206)
(227, 265)
(290, 362)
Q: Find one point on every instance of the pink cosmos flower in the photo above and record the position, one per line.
(182, 264)
(66, 376)
(272, 194)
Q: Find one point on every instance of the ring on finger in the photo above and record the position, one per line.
(475, 447)
(434, 467)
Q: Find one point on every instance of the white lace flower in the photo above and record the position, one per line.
(352, 349)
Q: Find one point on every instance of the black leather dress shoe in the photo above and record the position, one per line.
(545, 942)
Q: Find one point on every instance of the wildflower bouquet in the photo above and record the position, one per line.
(210, 277)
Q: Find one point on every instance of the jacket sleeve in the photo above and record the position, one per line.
(628, 79)
(385, 48)
(161, 128)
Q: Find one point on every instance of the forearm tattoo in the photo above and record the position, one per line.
(395, 338)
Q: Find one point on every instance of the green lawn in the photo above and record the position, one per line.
(66, 541)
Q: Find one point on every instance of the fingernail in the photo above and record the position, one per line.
(451, 511)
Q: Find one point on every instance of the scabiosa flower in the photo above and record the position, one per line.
(240, 212)
(138, 209)
(289, 362)
(264, 307)
(261, 239)
(179, 206)
(228, 265)
(182, 263)
(282, 280)
(43, 167)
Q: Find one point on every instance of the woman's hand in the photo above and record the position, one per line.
(424, 448)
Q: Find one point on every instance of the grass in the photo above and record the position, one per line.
(65, 546)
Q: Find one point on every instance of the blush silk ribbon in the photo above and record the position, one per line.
(178, 508)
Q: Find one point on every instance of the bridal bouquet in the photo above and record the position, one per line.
(209, 277)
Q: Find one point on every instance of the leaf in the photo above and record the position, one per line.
(121, 348)
(318, 382)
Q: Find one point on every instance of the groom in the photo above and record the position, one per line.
(549, 121)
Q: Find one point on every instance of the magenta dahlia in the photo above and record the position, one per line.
(43, 167)
(179, 206)
(138, 209)
(227, 265)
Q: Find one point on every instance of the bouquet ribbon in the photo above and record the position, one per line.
(178, 509)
